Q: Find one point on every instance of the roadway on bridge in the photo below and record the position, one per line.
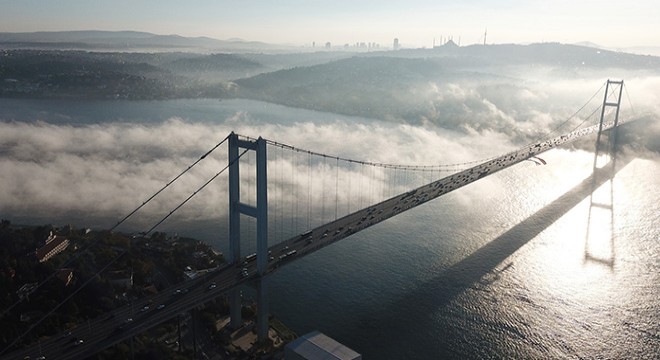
(115, 327)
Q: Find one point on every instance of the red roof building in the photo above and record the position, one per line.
(55, 244)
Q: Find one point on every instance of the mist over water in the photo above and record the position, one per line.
(499, 269)
(94, 164)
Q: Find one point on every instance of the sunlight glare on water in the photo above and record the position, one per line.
(582, 294)
(512, 278)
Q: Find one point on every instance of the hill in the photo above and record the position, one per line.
(449, 86)
(363, 86)
(127, 40)
(95, 75)
(550, 54)
(215, 67)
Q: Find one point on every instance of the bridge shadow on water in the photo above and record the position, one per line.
(415, 311)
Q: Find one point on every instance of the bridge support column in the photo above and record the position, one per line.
(260, 212)
(262, 309)
(262, 241)
(235, 304)
(234, 229)
(612, 99)
(601, 206)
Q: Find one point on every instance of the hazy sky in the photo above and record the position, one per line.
(414, 22)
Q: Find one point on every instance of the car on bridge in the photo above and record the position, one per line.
(124, 324)
(76, 341)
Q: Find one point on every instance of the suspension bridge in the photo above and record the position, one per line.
(314, 201)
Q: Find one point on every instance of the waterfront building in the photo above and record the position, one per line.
(318, 346)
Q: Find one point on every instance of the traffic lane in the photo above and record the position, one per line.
(103, 331)
(98, 333)
(123, 329)
(58, 345)
(98, 329)
(346, 226)
(223, 279)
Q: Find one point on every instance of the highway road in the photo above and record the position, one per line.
(325, 235)
(115, 327)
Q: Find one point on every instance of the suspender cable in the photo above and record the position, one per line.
(336, 188)
(194, 193)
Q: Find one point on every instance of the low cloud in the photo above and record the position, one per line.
(103, 171)
(107, 170)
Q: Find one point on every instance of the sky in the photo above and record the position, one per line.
(416, 23)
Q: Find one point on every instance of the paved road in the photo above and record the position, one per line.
(341, 228)
(112, 328)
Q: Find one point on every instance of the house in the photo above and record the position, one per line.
(66, 275)
(9, 272)
(121, 278)
(26, 290)
(150, 290)
(55, 244)
(30, 315)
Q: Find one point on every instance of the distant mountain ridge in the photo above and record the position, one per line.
(130, 39)
(639, 50)
(553, 54)
(427, 85)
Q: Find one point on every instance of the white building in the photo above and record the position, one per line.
(318, 346)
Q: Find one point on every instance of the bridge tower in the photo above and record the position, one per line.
(612, 99)
(601, 206)
(259, 211)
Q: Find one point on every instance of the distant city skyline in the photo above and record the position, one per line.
(415, 23)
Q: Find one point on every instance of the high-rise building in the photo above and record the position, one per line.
(395, 45)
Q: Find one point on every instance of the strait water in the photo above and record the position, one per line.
(502, 268)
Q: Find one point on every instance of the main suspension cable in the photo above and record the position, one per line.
(431, 168)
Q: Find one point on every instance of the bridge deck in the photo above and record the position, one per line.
(112, 328)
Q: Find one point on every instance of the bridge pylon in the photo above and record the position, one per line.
(259, 211)
(601, 204)
(605, 142)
